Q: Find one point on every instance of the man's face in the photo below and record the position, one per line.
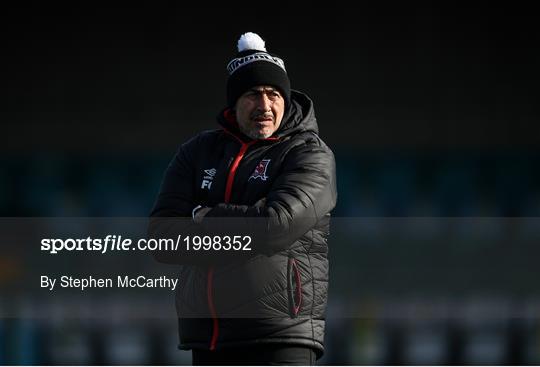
(259, 111)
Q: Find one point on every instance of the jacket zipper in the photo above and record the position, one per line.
(210, 288)
(232, 171)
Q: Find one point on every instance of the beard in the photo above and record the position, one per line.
(256, 133)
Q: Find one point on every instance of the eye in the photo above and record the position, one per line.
(273, 95)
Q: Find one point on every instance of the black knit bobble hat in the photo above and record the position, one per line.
(252, 66)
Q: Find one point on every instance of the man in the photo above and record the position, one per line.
(264, 172)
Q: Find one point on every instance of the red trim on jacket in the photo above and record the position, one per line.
(210, 295)
(298, 280)
(232, 170)
(231, 118)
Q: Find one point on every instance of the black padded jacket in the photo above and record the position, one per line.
(286, 185)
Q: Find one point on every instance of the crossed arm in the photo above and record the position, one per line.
(303, 193)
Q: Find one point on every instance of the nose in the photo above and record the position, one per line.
(264, 102)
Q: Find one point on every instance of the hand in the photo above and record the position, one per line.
(199, 212)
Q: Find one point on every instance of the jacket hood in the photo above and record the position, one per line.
(299, 117)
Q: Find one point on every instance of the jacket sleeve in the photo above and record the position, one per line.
(303, 193)
(175, 198)
(171, 214)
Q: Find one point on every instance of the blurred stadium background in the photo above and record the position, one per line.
(432, 113)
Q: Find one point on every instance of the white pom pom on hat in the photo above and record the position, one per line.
(251, 41)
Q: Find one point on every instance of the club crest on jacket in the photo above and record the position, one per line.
(260, 170)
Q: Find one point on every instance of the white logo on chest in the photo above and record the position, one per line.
(208, 178)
